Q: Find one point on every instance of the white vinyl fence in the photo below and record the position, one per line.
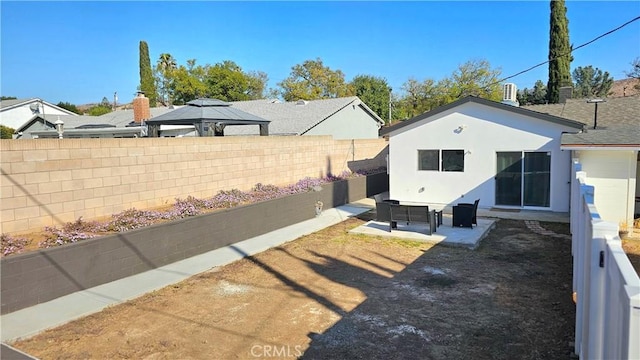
(605, 284)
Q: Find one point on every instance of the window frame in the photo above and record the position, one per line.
(420, 162)
(458, 153)
(440, 160)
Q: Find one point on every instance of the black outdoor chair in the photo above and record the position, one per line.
(464, 214)
(383, 210)
(414, 214)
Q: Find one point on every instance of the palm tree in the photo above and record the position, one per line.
(166, 64)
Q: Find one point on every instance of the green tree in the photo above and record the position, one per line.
(165, 66)
(419, 96)
(8, 98)
(186, 84)
(5, 131)
(70, 107)
(99, 110)
(226, 81)
(477, 78)
(312, 80)
(559, 51)
(147, 82)
(590, 82)
(105, 102)
(535, 96)
(375, 92)
(634, 72)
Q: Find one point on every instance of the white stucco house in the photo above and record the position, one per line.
(14, 113)
(504, 155)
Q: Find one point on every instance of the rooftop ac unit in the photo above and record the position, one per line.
(509, 92)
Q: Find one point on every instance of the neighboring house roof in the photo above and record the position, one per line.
(118, 118)
(10, 104)
(494, 104)
(297, 117)
(623, 111)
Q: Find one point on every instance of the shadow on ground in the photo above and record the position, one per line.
(510, 298)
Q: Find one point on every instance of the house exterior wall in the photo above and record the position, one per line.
(34, 126)
(48, 182)
(485, 131)
(613, 173)
(17, 116)
(351, 122)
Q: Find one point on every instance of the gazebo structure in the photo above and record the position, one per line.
(208, 116)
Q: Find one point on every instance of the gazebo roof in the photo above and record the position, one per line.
(207, 111)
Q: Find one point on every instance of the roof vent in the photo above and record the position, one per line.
(510, 94)
(302, 102)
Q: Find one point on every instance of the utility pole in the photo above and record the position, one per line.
(115, 100)
(389, 119)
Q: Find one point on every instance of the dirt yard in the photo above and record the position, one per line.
(340, 296)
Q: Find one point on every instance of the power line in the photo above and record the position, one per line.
(569, 53)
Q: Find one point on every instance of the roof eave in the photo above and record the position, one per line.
(542, 116)
(600, 147)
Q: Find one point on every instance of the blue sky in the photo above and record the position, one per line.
(82, 51)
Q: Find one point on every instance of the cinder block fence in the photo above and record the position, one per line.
(52, 181)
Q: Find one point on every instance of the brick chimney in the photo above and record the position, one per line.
(141, 109)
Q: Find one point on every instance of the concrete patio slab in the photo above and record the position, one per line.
(445, 234)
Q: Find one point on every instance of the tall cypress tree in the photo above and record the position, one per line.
(559, 51)
(147, 83)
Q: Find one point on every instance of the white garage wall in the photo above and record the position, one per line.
(613, 174)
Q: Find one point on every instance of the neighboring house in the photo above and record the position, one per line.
(14, 113)
(609, 153)
(504, 155)
(116, 124)
(342, 118)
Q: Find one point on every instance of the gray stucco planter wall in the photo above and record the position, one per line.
(39, 276)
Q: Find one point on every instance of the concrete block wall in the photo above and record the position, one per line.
(46, 182)
(39, 276)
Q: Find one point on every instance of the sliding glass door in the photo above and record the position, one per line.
(523, 179)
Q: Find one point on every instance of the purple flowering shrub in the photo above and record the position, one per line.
(133, 219)
(12, 245)
(71, 232)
